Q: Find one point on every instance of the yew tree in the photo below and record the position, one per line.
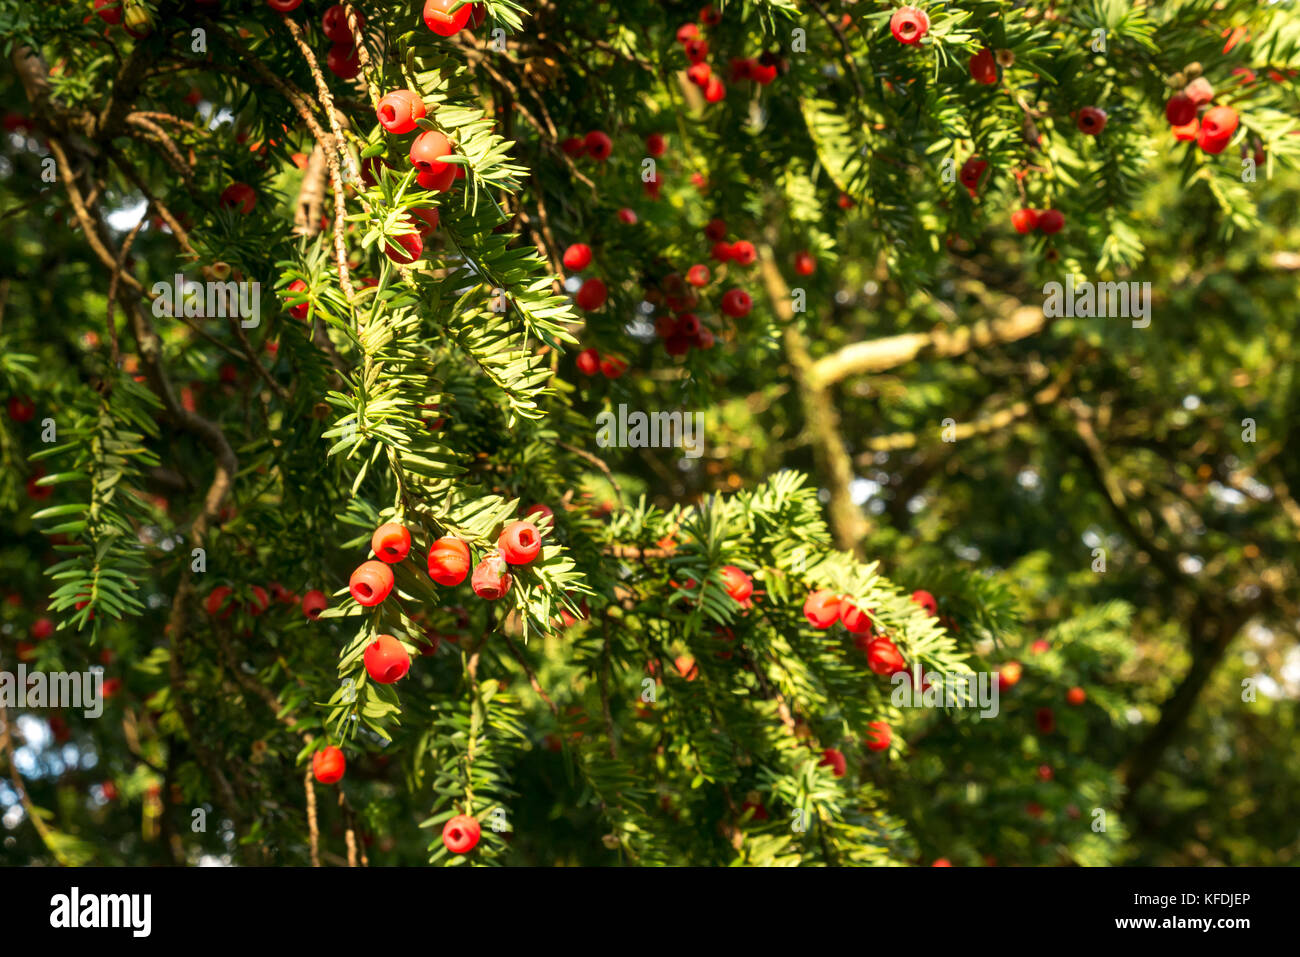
(575, 417)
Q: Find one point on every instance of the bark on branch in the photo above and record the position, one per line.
(877, 355)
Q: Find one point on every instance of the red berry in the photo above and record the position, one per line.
(541, 511)
(1045, 772)
(971, 171)
(716, 230)
(699, 73)
(409, 248)
(390, 542)
(884, 658)
(577, 257)
(460, 835)
(687, 326)
(1076, 696)
(941, 862)
(239, 196)
(520, 543)
(1051, 221)
(335, 24)
(438, 182)
(1046, 720)
(742, 68)
(715, 90)
(984, 67)
(696, 50)
(762, 73)
(1039, 646)
(428, 150)
(627, 216)
(399, 110)
(698, 275)
(612, 367)
(328, 765)
(926, 601)
(42, 628)
(738, 584)
(857, 621)
(687, 31)
(35, 490)
(736, 303)
(448, 561)
(386, 660)
(216, 601)
(686, 667)
(878, 736)
(909, 25)
(1009, 675)
(822, 608)
(437, 18)
(573, 147)
(21, 408)
(834, 759)
(1091, 120)
(1024, 220)
(1209, 143)
(1219, 123)
(261, 601)
(804, 263)
(371, 583)
(591, 295)
(655, 144)
(598, 145)
(721, 251)
(344, 61)
(429, 217)
(588, 361)
(1187, 132)
(677, 345)
(710, 16)
(1199, 91)
(110, 11)
(743, 252)
(313, 603)
(491, 578)
(1180, 110)
(299, 311)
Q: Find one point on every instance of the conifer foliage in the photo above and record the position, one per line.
(474, 229)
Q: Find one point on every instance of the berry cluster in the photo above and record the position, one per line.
(762, 70)
(589, 362)
(1192, 118)
(343, 58)
(595, 144)
(220, 603)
